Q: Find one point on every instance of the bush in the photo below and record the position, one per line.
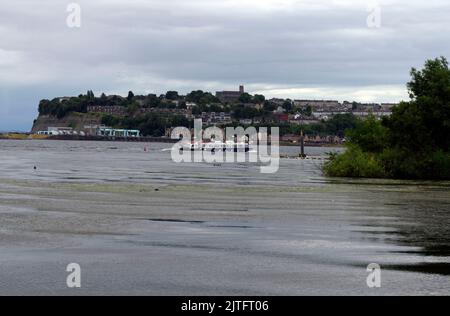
(369, 135)
(354, 163)
(402, 164)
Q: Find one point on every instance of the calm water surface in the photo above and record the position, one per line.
(138, 223)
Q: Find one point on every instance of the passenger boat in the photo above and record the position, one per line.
(216, 146)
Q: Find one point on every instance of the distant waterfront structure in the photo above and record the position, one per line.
(91, 130)
(54, 131)
(230, 96)
(113, 132)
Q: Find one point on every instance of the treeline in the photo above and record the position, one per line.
(413, 143)
(204, 102)
(60, 107)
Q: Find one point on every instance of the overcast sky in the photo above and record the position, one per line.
(318, 49)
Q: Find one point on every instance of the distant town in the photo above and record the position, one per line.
(153, 115)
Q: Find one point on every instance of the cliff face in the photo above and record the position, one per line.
(75, 120)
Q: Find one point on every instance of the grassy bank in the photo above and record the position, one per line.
(389, 164)
(21, 136)
(14, 136)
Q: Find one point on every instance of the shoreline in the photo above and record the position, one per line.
(19, 136)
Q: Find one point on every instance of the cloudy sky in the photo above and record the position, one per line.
(319, 49)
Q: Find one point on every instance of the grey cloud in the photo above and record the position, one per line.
(296, 47)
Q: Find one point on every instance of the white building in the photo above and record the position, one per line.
(113, 132)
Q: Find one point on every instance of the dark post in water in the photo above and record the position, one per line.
(302, 145)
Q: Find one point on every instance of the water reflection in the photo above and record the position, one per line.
(415, 217)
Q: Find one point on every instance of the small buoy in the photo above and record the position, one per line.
(156, 190)
(35, 168)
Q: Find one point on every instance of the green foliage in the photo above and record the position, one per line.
(426, 119)
(339, 124)
(440, 164)
(172, 95)
(60, 109)
(288, 106)
(90, 95)
(243, 112)
(130, 96)
(414, 142)
(354, 163)
(201, 98)
(269, 106)
(258, 99)
(133, 108)
(110, 120)
(369, 135)
(152, 101)
(245, 98)
(308, 112)
(431, 82)
(402, 164)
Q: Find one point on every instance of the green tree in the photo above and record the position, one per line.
(152, 101)
(369, 135)
(172, 95)
(340, 123)
(133, 108)
(245, 98)
(201, 97)
(197, 110)
(130, 96)
(44, 107)
(427, 117)
(269, 106)
(287, 105)
(90, 95)
(259, 99)
(414, 142)
(195, 96)
(308, 111)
